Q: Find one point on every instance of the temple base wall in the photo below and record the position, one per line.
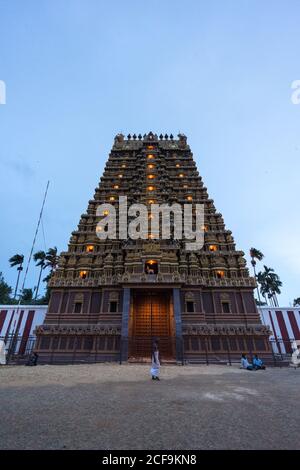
(211, 347)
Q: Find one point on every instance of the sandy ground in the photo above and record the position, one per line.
(108, 406)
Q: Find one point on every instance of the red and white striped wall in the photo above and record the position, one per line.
(20, 320)
(284, 324)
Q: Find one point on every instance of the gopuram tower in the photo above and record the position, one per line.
(110, 298)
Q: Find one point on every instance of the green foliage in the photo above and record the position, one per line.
(27, 296)
(5, 291)
(270, 282)
(255, 255)
(297, 302)
(51, 258)
(16, 260)
(45, 299)
(259, 303)
(40, 259)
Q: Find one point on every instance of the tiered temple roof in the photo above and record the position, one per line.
(151, 169)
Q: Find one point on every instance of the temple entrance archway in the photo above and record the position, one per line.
(151, 318)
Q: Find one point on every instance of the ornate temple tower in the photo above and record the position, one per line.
(110, 298)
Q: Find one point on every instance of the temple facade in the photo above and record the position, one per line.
(110, 298)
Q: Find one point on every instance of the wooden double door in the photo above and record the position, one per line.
(151, 319)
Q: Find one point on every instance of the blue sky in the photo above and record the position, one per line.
(78, 72)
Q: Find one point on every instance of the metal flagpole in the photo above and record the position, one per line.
(12, 345)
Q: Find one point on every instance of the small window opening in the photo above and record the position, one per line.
(190, 306)
(225, 307)
(77, 307)
(113, 306)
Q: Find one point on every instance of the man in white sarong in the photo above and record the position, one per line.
(155, 366)
(2, 353)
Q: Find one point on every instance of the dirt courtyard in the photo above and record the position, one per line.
(108, 406)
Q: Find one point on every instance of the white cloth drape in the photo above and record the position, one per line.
(155, 366)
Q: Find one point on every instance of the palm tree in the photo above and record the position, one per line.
(40, 259)
(275, 284)
(17, 260)
(296, 302)
(276, 291)
(264, 287)
(270, 284)
(51, 260)
(256, 255)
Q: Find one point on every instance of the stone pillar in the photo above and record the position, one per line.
(178, 324)
(125, 321)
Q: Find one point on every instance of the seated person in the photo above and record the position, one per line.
(245, 364)
(258, 363)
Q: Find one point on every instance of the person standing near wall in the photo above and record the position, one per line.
(155, 366)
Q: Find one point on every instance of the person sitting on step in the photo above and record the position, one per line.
(245, 364)
(258, 363)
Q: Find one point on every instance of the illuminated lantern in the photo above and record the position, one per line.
(212, 247)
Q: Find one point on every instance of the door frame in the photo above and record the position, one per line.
(167, 342)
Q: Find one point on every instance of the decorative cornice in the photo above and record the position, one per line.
(159, 278)
(190, 330)
(228, 330)
(101, 330)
